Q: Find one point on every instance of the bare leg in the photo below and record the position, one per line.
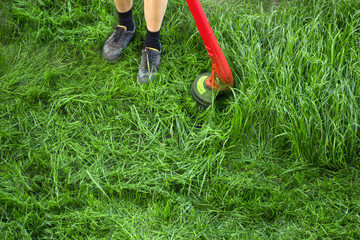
(123, 5)
(154, 13)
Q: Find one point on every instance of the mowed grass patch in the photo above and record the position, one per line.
(87, 152)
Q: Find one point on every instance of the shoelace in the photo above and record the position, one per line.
(118, 33)
(150, 57)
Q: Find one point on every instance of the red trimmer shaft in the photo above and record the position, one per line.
(220, 68)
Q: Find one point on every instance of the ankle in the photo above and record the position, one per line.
(126, 19)
(152, 40)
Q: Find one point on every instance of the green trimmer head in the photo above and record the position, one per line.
(204, 94)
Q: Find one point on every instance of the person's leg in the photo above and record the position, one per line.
(154, 14)
(151, 54)
(124, 10)
(123, 33)
(123, 5)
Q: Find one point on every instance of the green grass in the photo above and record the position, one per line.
(88, 153)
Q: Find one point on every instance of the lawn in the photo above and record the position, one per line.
(86, 152)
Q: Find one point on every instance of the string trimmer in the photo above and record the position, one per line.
(209, 85)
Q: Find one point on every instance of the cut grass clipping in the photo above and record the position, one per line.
(87, 153)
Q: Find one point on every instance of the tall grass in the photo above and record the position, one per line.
(87, 152)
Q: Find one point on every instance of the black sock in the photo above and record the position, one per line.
(126, 19)
(152, 39)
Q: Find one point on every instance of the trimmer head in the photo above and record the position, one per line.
(202, 93)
